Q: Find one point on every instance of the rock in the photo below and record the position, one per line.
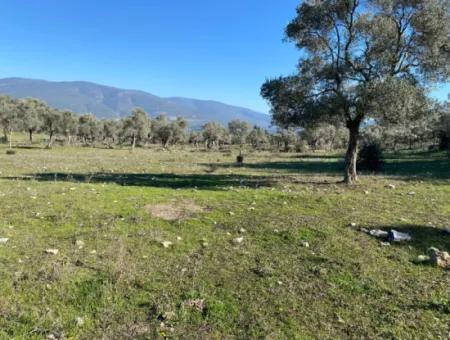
(439, 258)
(79, 243)
(166, 244)
(390, 186)
(385, 244)
(379, 233)
(242, 231)
(52, 251)
(231, 213)
(3, 240)
(353, 225)
(366, 192)
(305, 244)
(396, 236)
(238, 240)
(93, 252)
(422, 259)
(80, 321)
(411, 193)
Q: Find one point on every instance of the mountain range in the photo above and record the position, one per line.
(111, 102)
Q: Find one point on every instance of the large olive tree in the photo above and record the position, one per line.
(361, 60)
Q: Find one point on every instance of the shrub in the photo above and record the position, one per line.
(370, 157)
(11, 152)
(444, 142)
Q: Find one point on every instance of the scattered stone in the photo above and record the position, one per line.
(396, 236)
(439, 258)
(80, 321)
(79, 244)
(276, 231)
(231, 213)
(242, 231)
(366, 192)
(167, 244)
(422, 259)
(353, 225)
(305, 244)
(52, 251)
(385, 244)
(3, 240)
(93, 252)
(390, 186)
(280, 283)
(238, 240)
(411, 193)
(379, 233)
(198, 304)
(179, 238)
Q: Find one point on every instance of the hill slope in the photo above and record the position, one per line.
(110, 102)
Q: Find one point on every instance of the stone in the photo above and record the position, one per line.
(396, 236)
(80, 321)
(166, 244)
(242, 231)
(353, 225)
(390, 186)
(439, 258)
(378, 233)
(52, 251)
(305, 244)
(79, 244)
(411, 193)
(422, 259)
(3, 240)
(238, 240)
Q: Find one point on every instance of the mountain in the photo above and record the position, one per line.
(110, 102)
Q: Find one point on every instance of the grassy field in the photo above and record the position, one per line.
(238, 265)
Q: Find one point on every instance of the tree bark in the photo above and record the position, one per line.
(50, 139)
(351, 156)
(30, 132)
(133, 145)
(10, 139)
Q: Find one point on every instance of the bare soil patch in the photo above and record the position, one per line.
(175, 210)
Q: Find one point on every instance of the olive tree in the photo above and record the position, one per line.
(8, 117)
(239, 131)
(361, 59)
(31, 112)
(137, 126)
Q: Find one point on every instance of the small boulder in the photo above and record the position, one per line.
(439, 258)
(238, 240)
(167, 244)
(390, 186)
(3, 240)
(379, 233)
(305, 244)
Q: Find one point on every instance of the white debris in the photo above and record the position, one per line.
(52, 251)
(3, 240)
(305, 244)
(166, 244)
(238, 240)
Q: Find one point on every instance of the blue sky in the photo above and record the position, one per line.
(221, 50)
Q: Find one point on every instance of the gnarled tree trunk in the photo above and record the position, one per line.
(351, 156)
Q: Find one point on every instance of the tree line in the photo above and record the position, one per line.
(33, 116)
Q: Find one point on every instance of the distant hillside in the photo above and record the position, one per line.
(109, 102)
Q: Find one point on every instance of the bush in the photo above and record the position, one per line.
(370, 157)
(11, 152)
(444, 142)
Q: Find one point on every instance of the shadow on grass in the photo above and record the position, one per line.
(426, 167)
(206, 181)
(423, 237)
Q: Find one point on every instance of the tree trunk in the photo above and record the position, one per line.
(50, 139)
(352, 154)
(133, 145)
(30, 133)
(10, 139)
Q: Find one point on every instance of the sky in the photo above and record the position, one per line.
(203, 49)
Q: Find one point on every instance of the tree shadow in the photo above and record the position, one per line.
(422, 237)
(425, 168)
(172, 181)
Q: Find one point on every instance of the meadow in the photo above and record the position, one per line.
(183, 243)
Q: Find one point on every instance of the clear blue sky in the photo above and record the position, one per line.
(206, 49)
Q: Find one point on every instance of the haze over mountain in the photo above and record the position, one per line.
(110, 102)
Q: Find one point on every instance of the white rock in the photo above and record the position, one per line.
(411, 193)
(242, 230)
(51, 251)
(79, 243)
(231, 213)
(80, 321)
(390, 186)
(179, 238)
(166, 244)
(305, 244)
(3, 240)
(238, 240)
(93, 252)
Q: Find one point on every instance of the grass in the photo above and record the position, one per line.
(122, 283)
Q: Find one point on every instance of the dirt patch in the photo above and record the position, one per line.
(175, 210)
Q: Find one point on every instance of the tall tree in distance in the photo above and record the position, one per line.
(51, 123)
(361, 59)
(239, 131)
(137, 126)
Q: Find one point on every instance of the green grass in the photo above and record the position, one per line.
(269, 286)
